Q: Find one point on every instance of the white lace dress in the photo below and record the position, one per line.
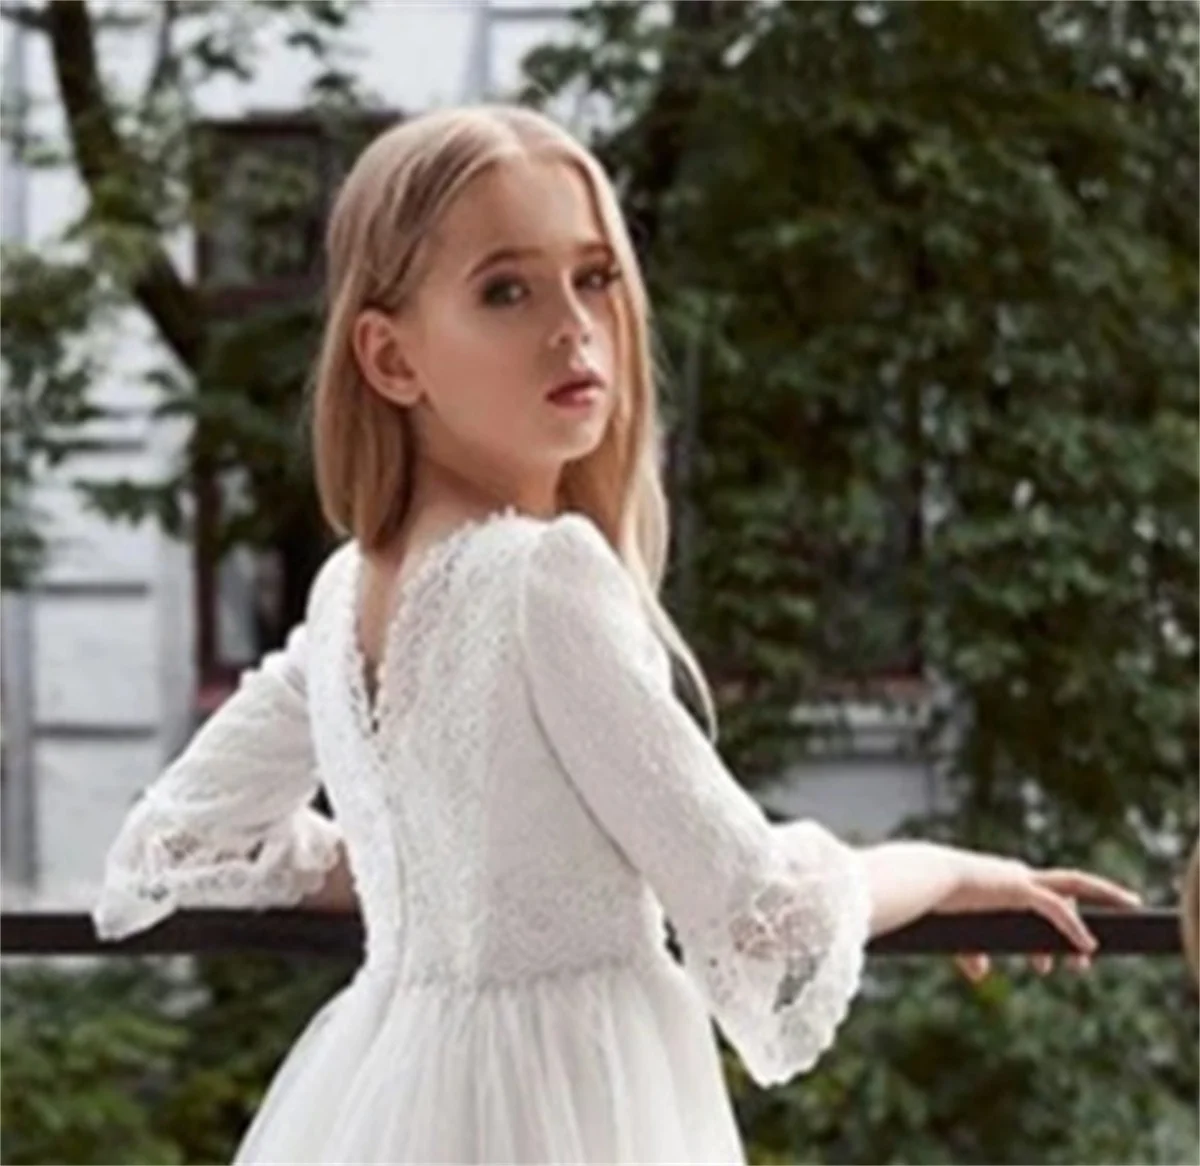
(522, 808)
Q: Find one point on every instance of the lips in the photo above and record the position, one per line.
(576, 385)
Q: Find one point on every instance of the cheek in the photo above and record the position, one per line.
(465, 345)
(461, 333)
(466, 348)
(480, 366)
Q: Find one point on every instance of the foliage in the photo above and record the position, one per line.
(936, 1070)
(938, 265)
(46, 308)
(950, 275)
(144, 161)
(85, 1063)
(145, 1060)
(939, 262)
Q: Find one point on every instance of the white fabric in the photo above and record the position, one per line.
(228, 823)
(521, 804)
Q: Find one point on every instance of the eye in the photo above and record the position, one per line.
(508, 290)
(601, 277)
(503, 291)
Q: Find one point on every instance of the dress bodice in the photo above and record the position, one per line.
(473, 858)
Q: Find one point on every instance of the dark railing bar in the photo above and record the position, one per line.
(1153, 932)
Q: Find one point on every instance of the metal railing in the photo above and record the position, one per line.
(1153, 932)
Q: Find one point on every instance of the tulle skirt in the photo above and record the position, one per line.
(612, 1064)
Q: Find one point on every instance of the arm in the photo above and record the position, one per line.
(907, 879)
(772, 921)
(228, 824)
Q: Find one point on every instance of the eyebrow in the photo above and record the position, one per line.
(507, 254)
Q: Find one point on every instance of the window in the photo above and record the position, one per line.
(263, 188)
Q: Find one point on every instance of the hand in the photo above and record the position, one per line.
(988, 882)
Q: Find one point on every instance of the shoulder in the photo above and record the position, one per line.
(574, 578)
(324, 583)
(569, 543)
(579, 605)
(571, 538)
(571, 552)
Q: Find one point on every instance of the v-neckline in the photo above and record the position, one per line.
(373, 706)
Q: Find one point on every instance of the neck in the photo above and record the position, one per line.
(485, 490)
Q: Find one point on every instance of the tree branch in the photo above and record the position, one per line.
(23, 15)
(110, 170)
(166, 66)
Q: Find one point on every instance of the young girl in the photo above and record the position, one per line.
(483, 685)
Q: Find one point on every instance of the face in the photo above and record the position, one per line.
(518, 297)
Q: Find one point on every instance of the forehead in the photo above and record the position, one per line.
(543, 203)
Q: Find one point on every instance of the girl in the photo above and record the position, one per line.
(483, 685)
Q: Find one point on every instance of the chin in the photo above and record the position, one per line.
(587, 444)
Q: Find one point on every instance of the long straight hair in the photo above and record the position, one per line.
(364, 447)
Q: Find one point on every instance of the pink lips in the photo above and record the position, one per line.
(581, 390)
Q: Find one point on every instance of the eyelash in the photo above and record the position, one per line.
(609, 274)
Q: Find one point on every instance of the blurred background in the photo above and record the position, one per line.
(925, 280)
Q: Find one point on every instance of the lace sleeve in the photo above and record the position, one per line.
(228, 823)
(773, 920)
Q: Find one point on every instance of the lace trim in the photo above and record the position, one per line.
(159, 866)
(780, 975)
(371, 713)
(389, 896)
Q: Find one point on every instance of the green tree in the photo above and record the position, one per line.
(939, 263)
(84, 1062)
(46, 310)
(149, 170)
(148, 1060)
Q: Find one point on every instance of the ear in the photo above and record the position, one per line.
(376, 339)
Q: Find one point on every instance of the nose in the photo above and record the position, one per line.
(574, 326)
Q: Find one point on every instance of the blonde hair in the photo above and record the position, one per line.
(363, 445)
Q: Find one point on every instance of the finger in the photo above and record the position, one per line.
(1084, 885)
(974, 965)
(1088, 882)
(1065, 917)
(1043, 962)
(1079, 962)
